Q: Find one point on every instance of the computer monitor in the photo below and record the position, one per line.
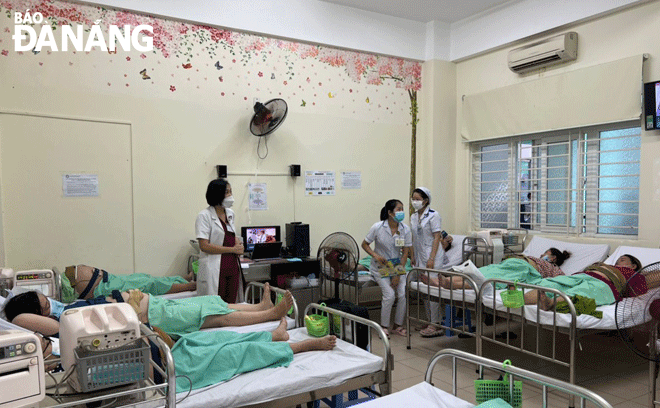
(652, 105)
(253, 235)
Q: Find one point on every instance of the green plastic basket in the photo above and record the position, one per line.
(487, 390)
(513, 298)
(317, 325)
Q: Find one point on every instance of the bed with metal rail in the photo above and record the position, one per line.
(425, 394)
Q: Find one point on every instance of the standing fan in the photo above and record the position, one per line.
(338, 255)
(268, 116)
(638, 317)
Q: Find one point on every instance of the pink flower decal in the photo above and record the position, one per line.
(143, 56)
(5, 52)
(128, 58)
(260, 74)
(172, 88)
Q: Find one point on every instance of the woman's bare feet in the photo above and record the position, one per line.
(266, 302)
(282, 308)
(322, 343)
(280, 334)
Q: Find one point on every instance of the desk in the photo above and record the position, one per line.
(269, 270)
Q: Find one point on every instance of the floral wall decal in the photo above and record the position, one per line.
(186, 58)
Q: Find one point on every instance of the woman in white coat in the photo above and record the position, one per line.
(426, 228)
(219, 265)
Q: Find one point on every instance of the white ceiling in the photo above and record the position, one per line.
(424, 11)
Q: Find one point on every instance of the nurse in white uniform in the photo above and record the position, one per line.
(392, 241)
(219, 265)
(428, 252)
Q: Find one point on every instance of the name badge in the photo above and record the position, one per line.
(399, 242)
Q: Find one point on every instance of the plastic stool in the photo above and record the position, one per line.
(451, 320)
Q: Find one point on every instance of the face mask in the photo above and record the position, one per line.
(228, 202)
(56, 308)
(399, 216)
(417, 204)
(546, 258)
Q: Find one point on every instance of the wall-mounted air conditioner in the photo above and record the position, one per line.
(551, 51)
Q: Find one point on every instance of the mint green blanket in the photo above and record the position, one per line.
(579, 284)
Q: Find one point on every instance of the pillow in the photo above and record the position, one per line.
(582, 255)
(645, 255)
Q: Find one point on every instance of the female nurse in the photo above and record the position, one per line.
(392, 241)
(219, 265)
(426, 226)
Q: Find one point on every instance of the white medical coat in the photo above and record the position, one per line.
(208, 226)
(422, 229)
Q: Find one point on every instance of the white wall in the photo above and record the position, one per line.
(345, 27)
(627, 33)
(184, 121)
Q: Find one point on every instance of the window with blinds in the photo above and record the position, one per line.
(582, 181)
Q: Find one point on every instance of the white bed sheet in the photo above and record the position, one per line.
(458, 294)
(608, 321)
(582, 255)
(307, 372)
(645, 255)
(420, 395)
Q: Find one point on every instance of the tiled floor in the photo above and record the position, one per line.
(605, 366)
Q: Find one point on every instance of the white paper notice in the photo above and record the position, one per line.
(80, 185)
(351, 180)
(319, 183)
(258, 197)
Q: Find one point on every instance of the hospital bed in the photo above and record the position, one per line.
(425, 394)
(545, 327)
(361, 289)
(309, 377)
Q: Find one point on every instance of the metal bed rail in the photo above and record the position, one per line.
(163, 393)
(456, 302)
(490, 306)
(383, 377)
(547, 383)
(254, 293)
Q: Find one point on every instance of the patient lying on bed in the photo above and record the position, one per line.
(605, 284)
(87, 282)
(227, 354)
(36, 312)
(521, 268)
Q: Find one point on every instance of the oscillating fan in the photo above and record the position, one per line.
(268, 116)
(338, 255)
(637, 317)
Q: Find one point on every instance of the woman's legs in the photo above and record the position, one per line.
(248, 317)
(265, 304)
(388, 299)
(535, 297)
(401, 301)
(322, 343)
(183, 287)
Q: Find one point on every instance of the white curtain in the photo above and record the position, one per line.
(604, 93)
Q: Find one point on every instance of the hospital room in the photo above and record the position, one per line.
(194, 200)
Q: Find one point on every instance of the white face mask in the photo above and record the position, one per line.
(417, 204)
(228, 202)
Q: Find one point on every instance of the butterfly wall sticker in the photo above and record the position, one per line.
(144, 74)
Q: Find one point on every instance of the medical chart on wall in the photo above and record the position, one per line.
(319, 183)
(351, 180)
(258, 196)
(80, 185)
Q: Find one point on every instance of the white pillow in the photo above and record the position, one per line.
(582, 255)
(645, 255)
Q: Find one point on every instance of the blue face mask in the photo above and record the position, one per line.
(546, 258)
(399, 216)
(56, 308)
